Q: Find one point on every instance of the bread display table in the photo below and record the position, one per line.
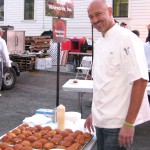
(82, 86)
(40, 136)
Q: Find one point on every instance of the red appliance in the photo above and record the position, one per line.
(66, 46)
(75, 45)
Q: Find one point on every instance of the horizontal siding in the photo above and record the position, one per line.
(140, 16)
(80, 25)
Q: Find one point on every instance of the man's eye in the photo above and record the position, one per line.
(98, 14)
(90, 17)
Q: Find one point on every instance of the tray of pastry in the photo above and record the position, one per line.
(45, 138)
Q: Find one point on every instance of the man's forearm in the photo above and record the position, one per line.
(136, 98)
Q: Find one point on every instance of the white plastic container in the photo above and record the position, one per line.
(61, 117)
(72, 116)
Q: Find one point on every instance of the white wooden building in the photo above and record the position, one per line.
(138, 18)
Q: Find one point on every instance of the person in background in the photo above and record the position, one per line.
(148, 36)
(119, 81)
(147, 54)
(123, 24)
(84, 45)
(136, 32)
(147, 49)
(4, 56)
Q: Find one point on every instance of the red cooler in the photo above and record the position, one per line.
(75, 45)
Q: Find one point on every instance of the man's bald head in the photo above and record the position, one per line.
(104, 2)
(100, 14)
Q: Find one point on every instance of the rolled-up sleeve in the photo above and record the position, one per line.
(133, 59)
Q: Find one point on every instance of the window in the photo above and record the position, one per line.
(120, 8)
(28, 9)
(1, 10)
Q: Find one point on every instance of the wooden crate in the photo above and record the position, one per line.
(24, 64)
(37, 43)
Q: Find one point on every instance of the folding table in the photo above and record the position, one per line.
(82, 86)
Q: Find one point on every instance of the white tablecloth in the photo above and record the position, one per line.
(80, 86)
(85, 86)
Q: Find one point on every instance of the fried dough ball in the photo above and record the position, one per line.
(38, 127)
(47, 136)
(71, 148)
(87, 135)
(25, 143)
(79, 132)
(11, 134)
(32, 138)
(17, 146)
(26, 148)
(48, 146)
(64, 134)
(6, 139)
(25, 125)
(22, 128)
(75, 146)
(16, 140)
(47, 128)
(61, 147)
(37, 145)
(37, 135)
(57, 131)
(58, 136)
(80, 139)
(52, 133)
(55, 140)
(71, 139)
(9, 148)
(66, 143)
(16, 131)
(4, 145)
(43, 141)
(68, 131)
(21, 136)
(43, 132)
(74, 135)
(32, 129)
(27, 133)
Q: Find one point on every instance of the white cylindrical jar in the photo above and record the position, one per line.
(61, 117)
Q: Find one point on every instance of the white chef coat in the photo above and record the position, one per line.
(119, 60)
(4, 56)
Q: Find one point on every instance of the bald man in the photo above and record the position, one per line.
(119, 81)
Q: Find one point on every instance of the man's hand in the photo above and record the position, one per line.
(88, 124)
(126, 135)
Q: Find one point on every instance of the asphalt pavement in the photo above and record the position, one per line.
(36, 90)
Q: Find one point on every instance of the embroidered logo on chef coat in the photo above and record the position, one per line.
(127, 50)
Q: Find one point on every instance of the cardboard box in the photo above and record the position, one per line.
(43, 63)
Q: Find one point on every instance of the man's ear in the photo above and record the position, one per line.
(110, 10)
